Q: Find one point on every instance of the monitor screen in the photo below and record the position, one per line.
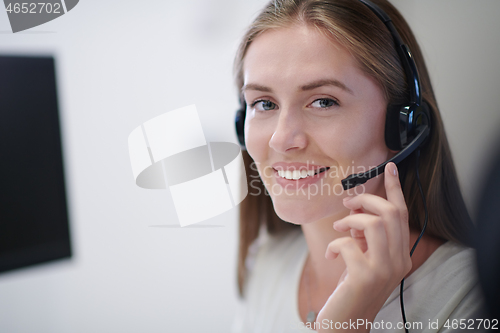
(34, 226)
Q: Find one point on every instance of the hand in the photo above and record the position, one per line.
(377, 257)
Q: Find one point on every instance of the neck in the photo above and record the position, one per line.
(323, 272)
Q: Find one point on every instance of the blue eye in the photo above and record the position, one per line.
(263, 105)
(324, 103)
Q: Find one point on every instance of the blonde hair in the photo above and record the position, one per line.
(365, 36)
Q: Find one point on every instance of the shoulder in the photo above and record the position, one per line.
(269, 254)
(277, 245)
(274, 254)
(449, 271)
(450, 266)
(269, 292)
(443, 288)
(267, 248)
(453, 288)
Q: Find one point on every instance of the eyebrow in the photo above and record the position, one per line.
(326, 82)
(309, 86)
(258, 87)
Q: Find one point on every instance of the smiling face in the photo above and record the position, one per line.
(309, 106)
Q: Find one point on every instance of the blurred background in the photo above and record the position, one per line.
(121, 63)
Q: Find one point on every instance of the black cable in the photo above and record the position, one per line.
(425, 207)
(416, 242)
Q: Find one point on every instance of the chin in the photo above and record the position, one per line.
(299, 213)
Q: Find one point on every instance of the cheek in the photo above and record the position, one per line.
(256, 140)
(363, 141)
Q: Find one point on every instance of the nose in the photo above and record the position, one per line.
(289, 133)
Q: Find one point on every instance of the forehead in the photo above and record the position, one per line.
(297, 53)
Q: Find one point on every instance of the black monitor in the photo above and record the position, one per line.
(34, 226)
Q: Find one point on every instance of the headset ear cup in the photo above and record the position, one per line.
(427, 113)
(392, 130)
(240, 126)
(423, 117)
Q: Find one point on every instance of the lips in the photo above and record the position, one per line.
(283, 166)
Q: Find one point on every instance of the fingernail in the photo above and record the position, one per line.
(347, 199)
(393, 169)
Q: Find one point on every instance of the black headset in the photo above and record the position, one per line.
(407, 126)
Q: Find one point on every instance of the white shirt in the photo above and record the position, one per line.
(443, 287)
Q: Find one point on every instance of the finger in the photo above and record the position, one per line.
(359, 238)
(393, 189)
(356, 211)
(389, 213)
(368, 203)
(374, 231)
(357, 233)
(352, 255)
(395, 195)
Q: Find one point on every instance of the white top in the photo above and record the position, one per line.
(445, 286)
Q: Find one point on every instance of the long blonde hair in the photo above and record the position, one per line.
(364, 35)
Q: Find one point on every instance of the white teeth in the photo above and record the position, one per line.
(296, 174)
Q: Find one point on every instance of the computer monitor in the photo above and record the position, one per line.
(34, 226)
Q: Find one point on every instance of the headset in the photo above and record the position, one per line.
(407, 126)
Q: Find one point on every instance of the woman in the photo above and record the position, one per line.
(317, 77)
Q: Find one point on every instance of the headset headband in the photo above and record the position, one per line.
(404, 53)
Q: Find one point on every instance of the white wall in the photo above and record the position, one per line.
(121, 63)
